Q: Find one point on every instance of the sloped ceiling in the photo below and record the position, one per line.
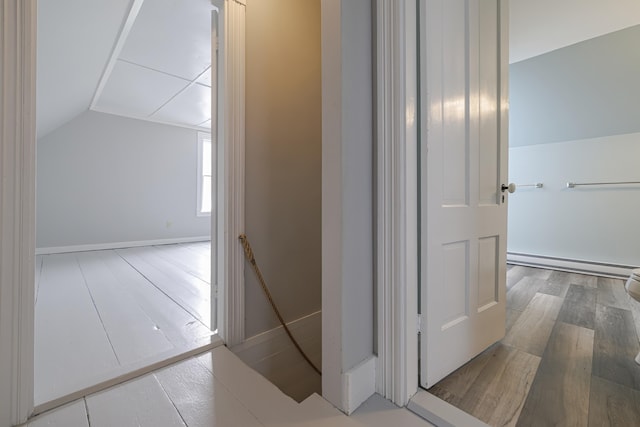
(142, 59)
(540, 26)
(75, 40)
(161, 73)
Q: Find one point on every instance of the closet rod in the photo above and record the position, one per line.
(577, 184)
(536, 185)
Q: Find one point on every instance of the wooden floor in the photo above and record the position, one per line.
(100, 314)
(567, 358)
(214, 389)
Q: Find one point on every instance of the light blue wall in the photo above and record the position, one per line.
(587, 90)
(575, 116)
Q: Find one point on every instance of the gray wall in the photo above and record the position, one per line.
(104, 179)
(574, 116)
(587, 90)
(357, 176)
(347, 193)
(283, 158)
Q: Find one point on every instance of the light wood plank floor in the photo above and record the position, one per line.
(101, 314)
(567, 358)
(214, 389)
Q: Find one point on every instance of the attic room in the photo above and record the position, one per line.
(123, 222)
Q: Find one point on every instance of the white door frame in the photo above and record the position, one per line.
(397, 111)
(18, 36)
(17, 207)
(231, 130)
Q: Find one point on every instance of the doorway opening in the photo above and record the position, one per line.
(569, 251)
(283, 183)
(126, 271)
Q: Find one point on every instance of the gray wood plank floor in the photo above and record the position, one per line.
(100, 314)
(567, 358)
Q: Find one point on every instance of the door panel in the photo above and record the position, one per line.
(462, 166)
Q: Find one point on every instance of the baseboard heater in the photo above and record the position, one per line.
(570, 265)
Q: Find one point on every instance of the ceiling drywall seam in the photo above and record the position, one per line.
(191, 83)
(122, 38)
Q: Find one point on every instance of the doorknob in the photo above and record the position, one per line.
(511, 188)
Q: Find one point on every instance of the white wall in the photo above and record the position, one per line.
(105, 179)
(598, 224)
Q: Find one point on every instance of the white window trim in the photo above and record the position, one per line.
(202, 136)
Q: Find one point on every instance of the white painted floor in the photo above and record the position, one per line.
(103, 314)
(214, 389)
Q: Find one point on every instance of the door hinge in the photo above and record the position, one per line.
(419, 323)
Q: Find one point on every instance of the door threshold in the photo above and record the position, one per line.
(130, 372)
(440, 413)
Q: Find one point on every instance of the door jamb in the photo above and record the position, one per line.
(231, 172)
(17, 208)
(17, 196)
(397, 113)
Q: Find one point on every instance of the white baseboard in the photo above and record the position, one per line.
(273, 355)
(358, 384)
(275, 343)
(118, 245)
(300, 327)
(570, 265)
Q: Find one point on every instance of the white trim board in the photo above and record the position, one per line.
(274, 356)
(358, 384)
(119, 245)
(441, 413)
(231, 185)
(570, 265)
(299, 328)
(151, 120)
(122, 38)
(397, 200)
(17, 207)
(132, 371)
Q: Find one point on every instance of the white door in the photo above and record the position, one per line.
(464, 103)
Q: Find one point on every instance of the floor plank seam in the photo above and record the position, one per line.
(84, 279)
(86, 410)
(162, 291)
(41, 263)
(587, 356)
(170, 399)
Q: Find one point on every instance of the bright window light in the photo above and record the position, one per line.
(205, 172)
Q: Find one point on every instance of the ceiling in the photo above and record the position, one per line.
(91, 57)
(163, 71)
(540, 26)
(142, 59)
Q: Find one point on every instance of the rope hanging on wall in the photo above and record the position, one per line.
(248, 252)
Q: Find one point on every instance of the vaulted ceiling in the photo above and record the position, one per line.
(150, 59)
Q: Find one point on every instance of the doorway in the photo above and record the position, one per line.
(119, 180)
(546, 309)
(283, 201)
(463, 175)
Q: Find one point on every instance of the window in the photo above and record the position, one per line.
(205, 167)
